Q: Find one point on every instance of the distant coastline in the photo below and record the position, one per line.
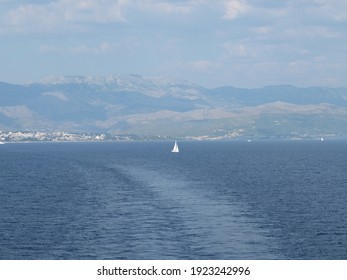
(31, 136)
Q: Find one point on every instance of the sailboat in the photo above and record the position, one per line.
(175, 148)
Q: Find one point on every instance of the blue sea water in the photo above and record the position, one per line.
(136, 200)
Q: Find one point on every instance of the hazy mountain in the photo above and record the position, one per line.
(156, 106)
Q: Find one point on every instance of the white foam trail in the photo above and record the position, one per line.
(214, 226)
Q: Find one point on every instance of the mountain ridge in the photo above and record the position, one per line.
(132, 104)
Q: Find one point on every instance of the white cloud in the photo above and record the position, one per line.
(263, 30)
(104, 47)
(239, 49)
(169, 8)
(201, 65)
(257, 43)
(92, 10)
(233, 8)
(77, 15)
(333, 9)
(27, 16)
(47, 49)
(311, 32)
(62, 14)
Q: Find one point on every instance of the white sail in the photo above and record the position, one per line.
(175, 148)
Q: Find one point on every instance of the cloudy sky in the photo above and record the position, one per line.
(243, 43)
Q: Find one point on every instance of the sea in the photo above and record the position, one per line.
(259, 200)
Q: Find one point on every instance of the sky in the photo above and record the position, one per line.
(241, 43)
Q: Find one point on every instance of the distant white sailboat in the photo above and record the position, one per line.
(175, 149)
(322, 139)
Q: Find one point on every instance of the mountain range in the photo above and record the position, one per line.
(133, 104)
